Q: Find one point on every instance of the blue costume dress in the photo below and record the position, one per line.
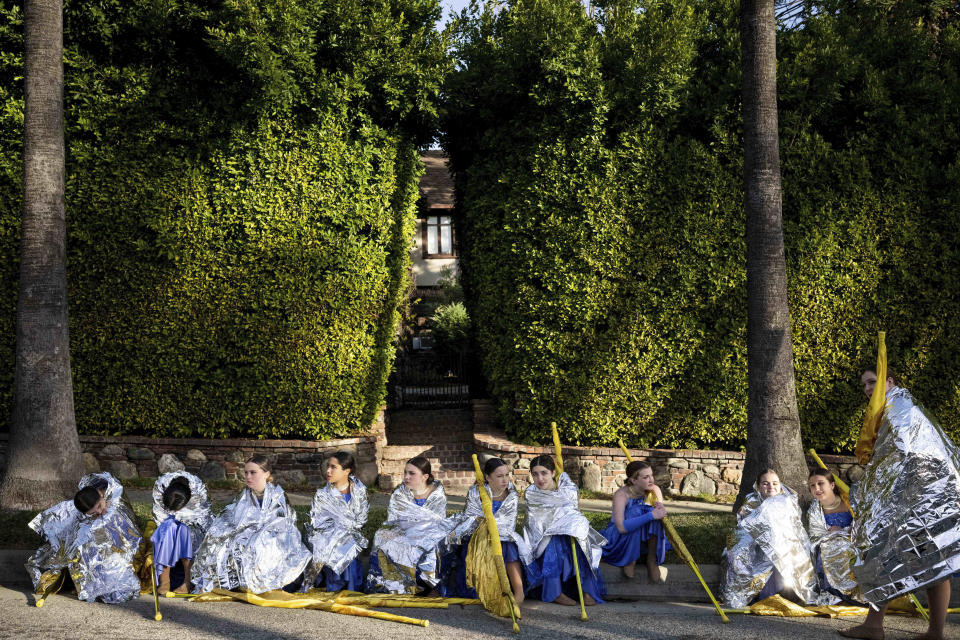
(623, 548)
(554, 527)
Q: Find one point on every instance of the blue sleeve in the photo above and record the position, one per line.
(632, 524)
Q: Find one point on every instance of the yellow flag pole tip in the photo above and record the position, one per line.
(158, 617)
(583, 617)
(516, 628)
(170, 594)
(39, 603)
(426, 623)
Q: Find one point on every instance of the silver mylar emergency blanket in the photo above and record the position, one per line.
(837, 555)
(556, 513)
(97, 551)
(907, 525)
(334, 531)
(411, 539)
(196, 514)
(464, 524)
(252, 545)
(769, 535)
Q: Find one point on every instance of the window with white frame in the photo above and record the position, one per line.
(437, 237)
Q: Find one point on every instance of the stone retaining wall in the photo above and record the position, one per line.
(677, 471)
(295, 462)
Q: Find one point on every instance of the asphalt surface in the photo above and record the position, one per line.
(63, 618)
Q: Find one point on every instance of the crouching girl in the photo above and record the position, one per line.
(334, 532)
(405, 557)
(182, 514)
(254, 543)
(553, 522)
(94, 537)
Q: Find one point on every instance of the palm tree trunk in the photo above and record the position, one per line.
(43, 460)
(773, 429)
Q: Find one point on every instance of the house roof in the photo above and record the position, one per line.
(436, 184)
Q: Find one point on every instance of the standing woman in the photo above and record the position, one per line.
(406, 550)
(94, 537)
(334, 531)
(907, 529)
(553, 520)
(254, 543)
(635, 531)
(182, 513)
(505, 501)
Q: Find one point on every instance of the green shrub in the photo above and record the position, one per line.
(241, 190)
(598, 184)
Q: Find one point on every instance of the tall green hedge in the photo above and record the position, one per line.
(241, 190)
(599, 183)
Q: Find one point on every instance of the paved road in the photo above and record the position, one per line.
(64, 618)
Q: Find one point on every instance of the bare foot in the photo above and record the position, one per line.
(628, 570)
(862, 631)
(182, 589)
(565, 601)
(588, 601)
(656, 573)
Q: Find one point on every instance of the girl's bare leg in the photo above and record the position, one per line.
(516, 580)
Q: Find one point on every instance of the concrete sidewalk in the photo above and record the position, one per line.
(64, 617)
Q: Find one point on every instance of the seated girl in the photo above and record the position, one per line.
(768, 552)
(406, 550)
(334, 531)
(635, 531)
(553, 521)
(94, 537)
(254, 544)
(182, 514)
(829, 519)
(505, 501)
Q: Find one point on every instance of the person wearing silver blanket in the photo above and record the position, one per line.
(254, 544)
(505, 502)
(829, 520)
(907, 526)
(182, 513)
(334, 531)
(768, 552)
(94, 537)
(406, 550)
(553, 520)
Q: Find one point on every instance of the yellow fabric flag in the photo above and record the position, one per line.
(878, 401)
(482, 573)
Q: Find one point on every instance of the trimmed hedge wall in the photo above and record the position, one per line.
(599, 183)
(240, 205)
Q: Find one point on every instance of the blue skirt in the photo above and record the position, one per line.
(350, 579)
(171, 543)
(623, 548)
(552, 573)
(456, 584)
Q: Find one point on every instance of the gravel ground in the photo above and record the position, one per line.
(63, 618)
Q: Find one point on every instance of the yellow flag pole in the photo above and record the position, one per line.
(846, 491)
(573, 543)
(153, 583)
(495, 543)
(681, 548)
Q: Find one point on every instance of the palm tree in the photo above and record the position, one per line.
(43, 460)
(773, 423)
